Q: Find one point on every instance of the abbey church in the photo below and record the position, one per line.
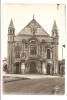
(33, 50)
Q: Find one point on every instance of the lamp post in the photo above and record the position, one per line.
(63, 46)
(58, 6)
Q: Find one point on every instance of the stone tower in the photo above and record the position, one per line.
(11, 34)
(54, 34)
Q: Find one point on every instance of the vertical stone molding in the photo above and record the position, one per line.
(22, 68)
(43, 68)
(32, 50)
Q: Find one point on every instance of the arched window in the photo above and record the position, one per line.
(48, 53)
(33, 48)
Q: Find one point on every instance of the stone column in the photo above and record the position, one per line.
(23, 68)
(55, 67)
(43, 68)
(38, 67)
(61, 69)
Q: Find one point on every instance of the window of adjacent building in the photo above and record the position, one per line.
(48, 53)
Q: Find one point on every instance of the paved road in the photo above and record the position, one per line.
(34, 86)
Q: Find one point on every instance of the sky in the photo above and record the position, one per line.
(22, 14)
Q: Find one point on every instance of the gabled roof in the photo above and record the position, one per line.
(33, 27)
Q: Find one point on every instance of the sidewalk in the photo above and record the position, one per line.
(17, 77)
(31, 76)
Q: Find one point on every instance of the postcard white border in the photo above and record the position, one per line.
(39, 97)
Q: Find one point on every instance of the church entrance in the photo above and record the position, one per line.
(32, 67)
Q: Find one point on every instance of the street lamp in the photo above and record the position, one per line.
(58, 6)
(63, 46)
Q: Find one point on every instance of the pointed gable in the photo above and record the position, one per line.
(33, 27)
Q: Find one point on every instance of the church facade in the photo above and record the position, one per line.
(33, 50)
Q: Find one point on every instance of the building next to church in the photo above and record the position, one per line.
(33, 50)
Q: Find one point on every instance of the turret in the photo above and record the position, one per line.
(10, 58)
(55, 36)
(54, 31)
(11, 31)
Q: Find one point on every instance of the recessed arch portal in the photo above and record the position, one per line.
(33, 46)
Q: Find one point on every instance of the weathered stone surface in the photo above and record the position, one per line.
(30, 46)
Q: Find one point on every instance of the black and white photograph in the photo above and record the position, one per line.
(33, 49)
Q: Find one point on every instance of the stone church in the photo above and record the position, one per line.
(33, 50)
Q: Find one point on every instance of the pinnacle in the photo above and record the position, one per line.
(54, 26)
(33, 16)
(11, 25)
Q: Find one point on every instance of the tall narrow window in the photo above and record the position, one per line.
(48, 53)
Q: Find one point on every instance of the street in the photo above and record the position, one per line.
(35, 86)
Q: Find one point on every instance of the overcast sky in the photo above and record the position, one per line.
(22, 14)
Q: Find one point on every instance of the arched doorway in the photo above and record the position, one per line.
(48, 69)
(17, 64)
(32, 67)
